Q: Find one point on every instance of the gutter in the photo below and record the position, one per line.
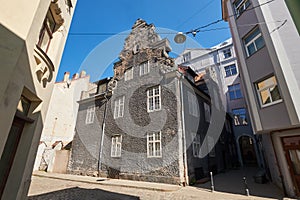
(185, 174)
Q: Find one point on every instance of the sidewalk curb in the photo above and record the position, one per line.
(104, 182)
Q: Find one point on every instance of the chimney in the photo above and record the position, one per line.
(66, 76)
(82, 74)
(75, 76)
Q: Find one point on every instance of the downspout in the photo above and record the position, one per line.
(183, 134)
(102, 136)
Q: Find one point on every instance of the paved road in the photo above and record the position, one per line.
(46, 188)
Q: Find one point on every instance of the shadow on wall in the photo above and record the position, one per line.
(232, 182)
(77, 193)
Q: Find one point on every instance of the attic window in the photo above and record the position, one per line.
(186, 57)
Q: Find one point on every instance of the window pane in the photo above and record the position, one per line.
(275, 93)
(151, 104)
(150, 149)
(251, 49)
(150, 92)
(265, 98)
(121, 110)
(156, 91)
(252, 35)
(231, 95)
(157, 136)
(259, 42)
(238, 94)
(150, 137)
(157, 104)
(157, 148)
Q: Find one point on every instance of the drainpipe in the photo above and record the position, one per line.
(183, 133)
(102, 136)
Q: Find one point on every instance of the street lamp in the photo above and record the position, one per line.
(180, 38)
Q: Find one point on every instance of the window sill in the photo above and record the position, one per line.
(272, 103)
(247, 56)
(151, 111)
(154, 156)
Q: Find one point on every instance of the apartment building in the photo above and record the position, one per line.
(267, 42)
(222, 58)
(32, 37)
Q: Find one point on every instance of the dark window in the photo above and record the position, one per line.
(227, 53)
(239, 116)
(46, 32)
(230, 70)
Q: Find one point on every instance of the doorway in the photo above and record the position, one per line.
(9, 151)
(291, 146)
(247, 151)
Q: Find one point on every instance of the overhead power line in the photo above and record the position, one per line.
(195, 31)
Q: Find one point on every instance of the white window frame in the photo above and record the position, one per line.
(144, 68)
(151, 99)
(128, 74)
(227, 52)
(268, 89)
(90, 115)
(241, 7)
(119, 107)
(116, 146)
(196, 145)
(206, 112)
(153, 143)
(253, 41)
(229, 68)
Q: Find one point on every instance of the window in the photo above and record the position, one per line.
(207, 112)
(227, 53)
(46, 32)
(253, 41)
(196, 145)
(234, 91)
(186, 57)
(230, 70)
(128, 74)
(90, 114)
(239, 116)
(240, 6)
(193, 104)
(268, 91)
(144, 68)
(119, 107)
(154, 144)
(116, 146)
(153, 99)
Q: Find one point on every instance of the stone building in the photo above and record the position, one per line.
(32, 37)
(149, 121)
(222, 57)
(267, 42)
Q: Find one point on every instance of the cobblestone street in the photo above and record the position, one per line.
(83, 188)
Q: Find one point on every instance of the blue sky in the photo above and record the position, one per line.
(93, 45)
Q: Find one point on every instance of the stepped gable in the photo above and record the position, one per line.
(142, 44)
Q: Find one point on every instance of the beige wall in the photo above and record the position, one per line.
(21, 22)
